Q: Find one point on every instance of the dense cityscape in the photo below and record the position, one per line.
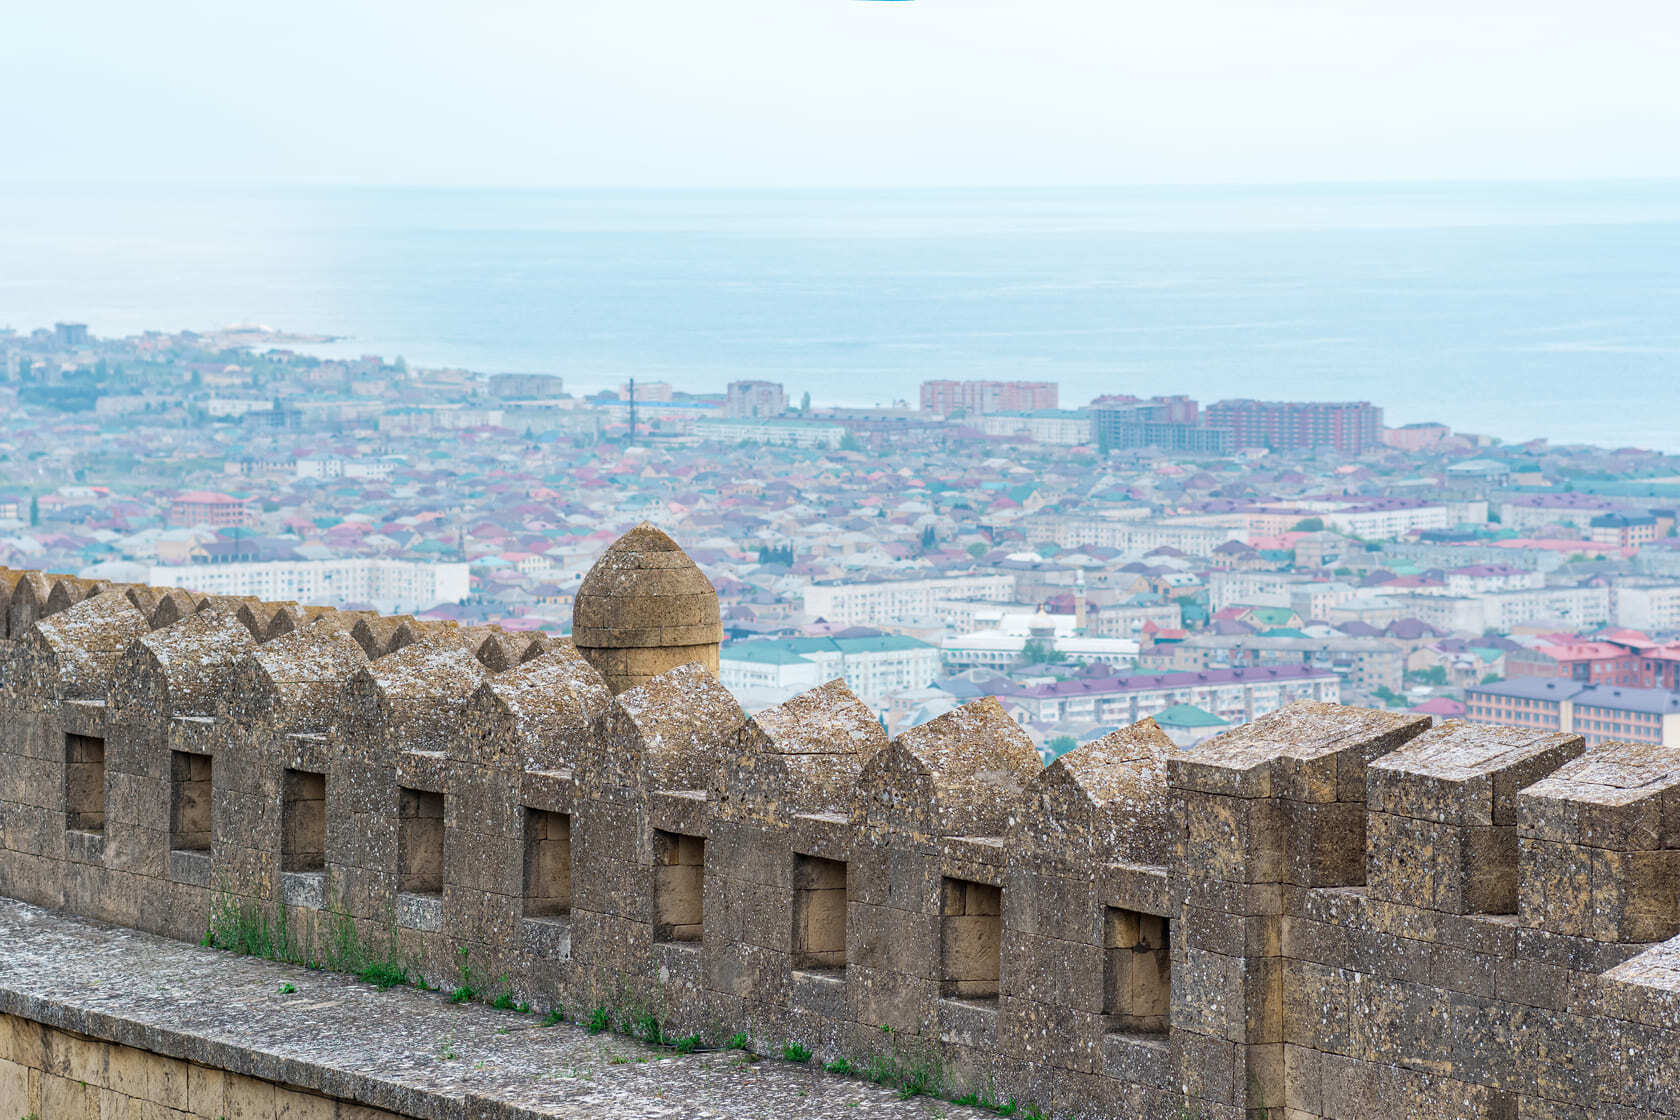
(1137, 555)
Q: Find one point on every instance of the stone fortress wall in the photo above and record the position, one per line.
(54, 1073)
(1331, 912)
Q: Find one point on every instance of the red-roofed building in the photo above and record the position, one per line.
(1660, 667)
(1585, 662)
(1441, 707)
(209, 507)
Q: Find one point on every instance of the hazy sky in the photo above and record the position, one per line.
(839, 92)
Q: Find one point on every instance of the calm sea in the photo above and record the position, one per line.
(1514, 309)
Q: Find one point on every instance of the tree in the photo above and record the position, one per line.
(805, 402)
(849, 442)
(928, 538)
(1492, 678)
(1389, 696)
(1037, 651)
(976, 550)
(1059, 745)
(34, 510)
(1434, 675)
(1309, 525)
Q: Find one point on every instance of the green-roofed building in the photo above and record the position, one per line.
(874, 665)
(1187, 725)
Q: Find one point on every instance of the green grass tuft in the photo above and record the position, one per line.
(793, 1052)
(382, 974)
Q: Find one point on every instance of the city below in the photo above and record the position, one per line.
(1090, 565)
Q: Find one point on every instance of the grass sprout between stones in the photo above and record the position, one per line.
(240, 925)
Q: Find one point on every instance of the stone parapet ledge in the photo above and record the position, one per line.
(400, 1051)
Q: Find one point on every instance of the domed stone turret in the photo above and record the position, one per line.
(645, 608)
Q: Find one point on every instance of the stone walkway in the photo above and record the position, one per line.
(402, 1050)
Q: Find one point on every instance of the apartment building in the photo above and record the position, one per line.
(1578, 607)
(1534, 511)
(389, 586)
(1129, 618)
(1461, 613)
(1165, 423)
(1228, 587)
(1388, 520)
(1365, 664)
(1647, 604)
(786, 433)
(1135, 536)
(1573, 608)
(526, 386)
(996, 649)
(1348, 427)
(1064, 427)
(754, 400)
(878, 602)
(1583, 662)
(873, 666)
(1599, 713)
(1624, 530)
(209, 507)
(336, 466)
(973, 397)
(1475, 579)
(1234, 695)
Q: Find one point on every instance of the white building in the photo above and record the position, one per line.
(1460, 613)
(1386, 522)
(1234, 695)
(1648, 605)
(754, 400)
(1540, 510)
(390, 586)
(336, 466)
(1229, 586)
(787, 433)
(1578, 607)
(225, 407)
(1136, 536)
(995, 649)
(1479, 578)
(885, 601)
(1066, 427)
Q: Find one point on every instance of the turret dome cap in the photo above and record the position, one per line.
(645, 591)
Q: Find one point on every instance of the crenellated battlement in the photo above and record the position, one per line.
(1333, 912)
